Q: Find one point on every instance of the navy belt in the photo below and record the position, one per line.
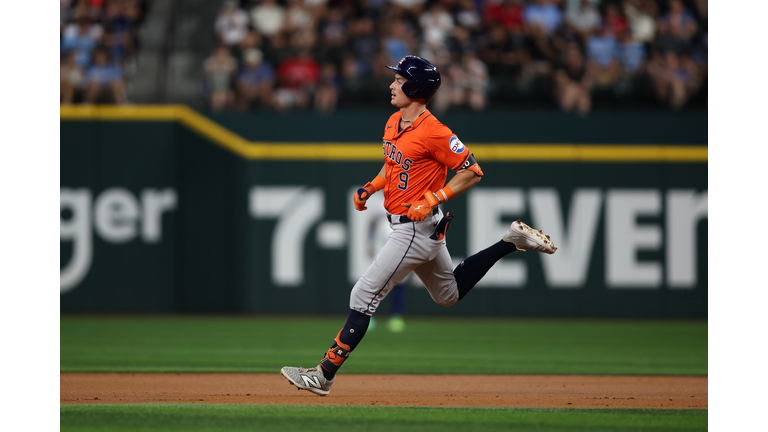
(404, 218)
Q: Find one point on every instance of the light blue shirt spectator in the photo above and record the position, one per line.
(632, 55)
(548, 16)
(103, 75)
(602, 49)
(396, 48)
(83, 46)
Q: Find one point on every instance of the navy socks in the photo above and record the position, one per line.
(354, 329)
(472, 269)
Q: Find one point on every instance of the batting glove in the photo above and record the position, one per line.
(362, 196)
(419, 210)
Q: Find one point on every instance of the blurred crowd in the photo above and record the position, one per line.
(97, 40)
(323, 54)
(320, 54)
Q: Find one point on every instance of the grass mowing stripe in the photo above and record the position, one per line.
(429, 346)
(203, 417)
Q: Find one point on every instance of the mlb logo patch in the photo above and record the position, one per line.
(456, 145)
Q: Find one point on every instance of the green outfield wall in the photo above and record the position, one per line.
(166, 210)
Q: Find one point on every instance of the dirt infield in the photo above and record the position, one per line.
(556, 391)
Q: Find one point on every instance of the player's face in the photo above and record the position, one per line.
(397, 97)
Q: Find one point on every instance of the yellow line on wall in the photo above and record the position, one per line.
(500, 152)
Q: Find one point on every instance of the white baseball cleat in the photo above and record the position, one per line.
(308, 379)
(526, 238)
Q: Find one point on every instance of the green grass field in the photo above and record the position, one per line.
(203, 417)
(429, 346)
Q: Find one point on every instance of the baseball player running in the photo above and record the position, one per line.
(418, 149)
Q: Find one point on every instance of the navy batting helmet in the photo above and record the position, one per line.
(423, 77)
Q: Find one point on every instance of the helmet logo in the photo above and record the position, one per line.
(456, 145)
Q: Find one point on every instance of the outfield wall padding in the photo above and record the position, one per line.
(157, 217)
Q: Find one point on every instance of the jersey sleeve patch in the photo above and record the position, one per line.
(456, 145)
(445, 146)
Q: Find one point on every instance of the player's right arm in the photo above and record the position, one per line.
(369, 189)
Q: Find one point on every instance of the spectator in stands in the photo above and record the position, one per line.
(437, 21)
(540, 55)
(255, 81)
(297, 79)
(70, 79)
(231, 24)
(583, 20)
(299, 16)
(327, 94)
(333, 28)
(631, 54)
(500, 54)
(277, 49)
(508, 13)
(333, 31)
(86, 26)
(640, 17)
(251, 40)
(104, 80)
(602, 58)
(350, 71)
(468, 16)
(674, 78)
(470, 82)
(615, 22)
(363, 44)
(119, 36)
(219, 69)
(396, 44)
(82, 38)
(461, 41)
(408, 9)
(573, 82)
(676, 28)
(433, 47)
(65, 13)
(543, 14)
(268, 18)
(84, 10)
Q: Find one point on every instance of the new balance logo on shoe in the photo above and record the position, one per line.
(311, 381)
(307, 379)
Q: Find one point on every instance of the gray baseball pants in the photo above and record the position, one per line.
(408, 249)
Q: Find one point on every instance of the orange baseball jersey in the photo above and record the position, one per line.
(417, 158)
